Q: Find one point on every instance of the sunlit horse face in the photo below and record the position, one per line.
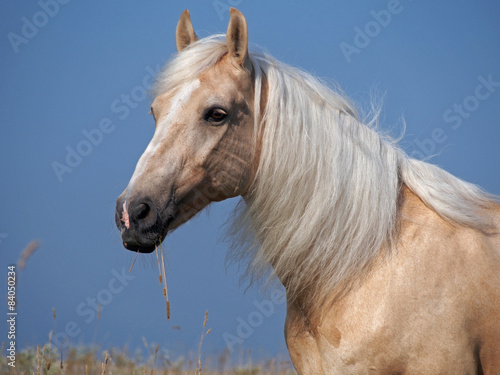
(201, 150)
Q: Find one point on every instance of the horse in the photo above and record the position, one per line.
(391, 265)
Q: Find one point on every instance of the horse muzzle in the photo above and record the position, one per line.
(142, 224)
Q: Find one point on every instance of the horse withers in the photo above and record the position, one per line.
(391, 265)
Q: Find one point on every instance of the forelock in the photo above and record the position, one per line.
(190, 63)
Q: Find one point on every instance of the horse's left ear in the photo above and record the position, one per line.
(184, 35)
(237, 38)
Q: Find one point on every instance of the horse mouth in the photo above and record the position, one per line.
(145, 242)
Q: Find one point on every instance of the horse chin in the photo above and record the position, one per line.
(143, 245)
(139, 249)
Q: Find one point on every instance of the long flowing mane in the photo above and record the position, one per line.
(325, 201)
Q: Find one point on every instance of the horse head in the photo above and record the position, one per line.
(203, 145)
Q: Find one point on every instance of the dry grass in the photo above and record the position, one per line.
(77, 360)
(92, 360)
(27, 253)
(89, 360)
(203, 334)
(163, 278)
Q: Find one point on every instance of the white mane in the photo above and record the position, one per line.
(324, 202)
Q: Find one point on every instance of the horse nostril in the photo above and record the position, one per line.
(141, 211)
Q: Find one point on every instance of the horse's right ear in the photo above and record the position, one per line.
(184, 35)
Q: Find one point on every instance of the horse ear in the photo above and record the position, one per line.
(184, 35)
(237, 38)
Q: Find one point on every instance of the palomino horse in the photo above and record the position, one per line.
(391, 265)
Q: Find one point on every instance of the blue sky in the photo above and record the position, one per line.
(73, 86)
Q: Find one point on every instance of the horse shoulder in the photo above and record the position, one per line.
(430, 306)
(460, 271)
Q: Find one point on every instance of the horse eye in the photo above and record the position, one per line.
(215, 116)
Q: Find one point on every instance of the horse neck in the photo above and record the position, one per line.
(324, 199)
